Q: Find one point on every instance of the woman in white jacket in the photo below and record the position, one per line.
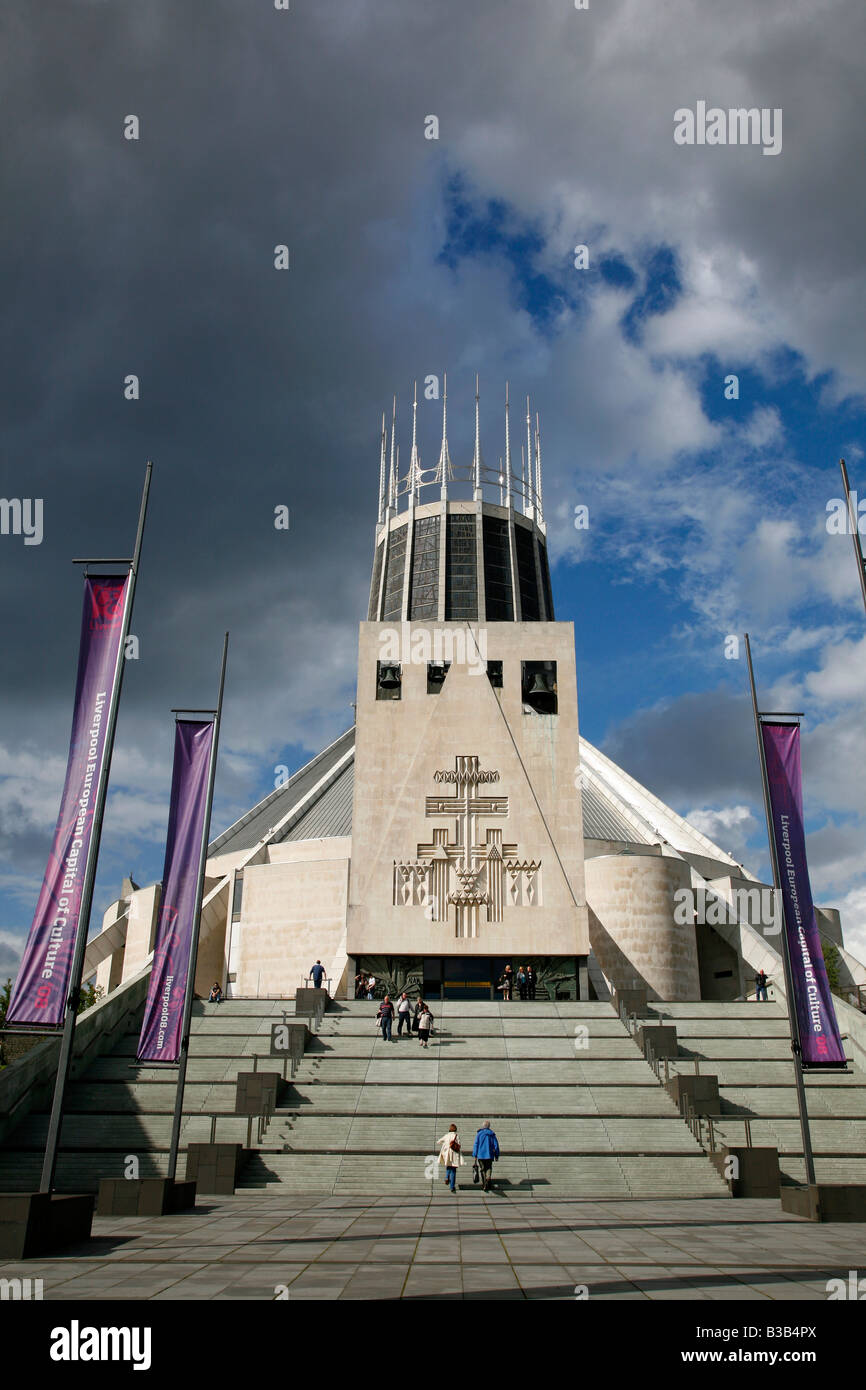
(450, 1156)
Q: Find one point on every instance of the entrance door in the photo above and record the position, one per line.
(468, 977)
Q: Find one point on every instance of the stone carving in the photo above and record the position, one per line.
(469, 873)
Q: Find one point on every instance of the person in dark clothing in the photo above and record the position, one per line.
(761, 983)
(521, 982)
(216, 994)
(416, 1017)
(360, 983)
(385, 1018)
(317, 974)
(506, 984)
(531, 982)
(485, 1151)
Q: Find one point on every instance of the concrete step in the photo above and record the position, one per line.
(844, 1101)
(543, 1176)
(134, 1133)
(577, 1109)
(711, 1011)
(486, 1101)
(539, 1136)
(843, 1136)
(754, 1072)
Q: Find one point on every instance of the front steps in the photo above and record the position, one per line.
(575, 1107)
(748, 1047)
(121, 1109)
(577, 1110)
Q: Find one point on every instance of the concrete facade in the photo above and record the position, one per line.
(293, 913)
(533, 805)
(632, 897)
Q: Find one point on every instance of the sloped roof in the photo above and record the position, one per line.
(273, 810)
(316, 803)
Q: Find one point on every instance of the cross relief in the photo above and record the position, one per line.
(467, 872)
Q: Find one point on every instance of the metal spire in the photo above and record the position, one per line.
(532, 500)
(392, 481)
(414, 460)
(476, 458)
(538, 468)
(382, 472)
(444, 471)
(523, 477)
(509, 500)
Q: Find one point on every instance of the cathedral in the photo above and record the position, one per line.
(462, 824)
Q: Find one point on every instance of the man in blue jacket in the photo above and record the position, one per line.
(485, 1151)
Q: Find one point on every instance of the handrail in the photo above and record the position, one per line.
(713, 1122)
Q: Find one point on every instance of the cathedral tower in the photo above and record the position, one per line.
(467, 839)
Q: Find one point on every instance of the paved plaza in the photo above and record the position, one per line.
(468, 1246)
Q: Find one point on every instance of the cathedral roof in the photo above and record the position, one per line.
(316, 803)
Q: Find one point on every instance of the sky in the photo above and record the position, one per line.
(409, 257)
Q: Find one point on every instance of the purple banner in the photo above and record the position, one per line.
(163, 1016)
(816, 1016)
(42, 985)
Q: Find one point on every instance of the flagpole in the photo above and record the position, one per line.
(796, 1047)
(196, 928)
(64, 1062)
(855, 531)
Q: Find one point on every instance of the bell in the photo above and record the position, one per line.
(437, 674)
(539, 685)
(389, 677)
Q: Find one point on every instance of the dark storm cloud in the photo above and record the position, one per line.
(693, 751)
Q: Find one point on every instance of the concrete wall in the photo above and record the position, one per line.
(28, 1082)
(141, 928)
(293, 912)
(401, 744)
(720, 967)
(632, 897)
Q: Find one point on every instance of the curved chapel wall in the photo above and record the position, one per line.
(631, 897)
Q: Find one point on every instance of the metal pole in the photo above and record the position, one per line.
(64, 1061)
(196, 928)
(796, 1048)
(855, 531)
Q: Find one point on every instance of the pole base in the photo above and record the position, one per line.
(37, 1223)
(748, 1172)
(215, 1168)
(143, 1196)
(826, 1201)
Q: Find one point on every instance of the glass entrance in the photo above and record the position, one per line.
(468, 977)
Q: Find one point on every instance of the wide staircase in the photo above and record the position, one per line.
(748, 1047)
(576, 1108)
(121, 1109)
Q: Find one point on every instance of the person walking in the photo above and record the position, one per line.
(450, 1156)
(531, 982)
(385, 1018)
(521, 982)
(506, 984)
(425, 1023)
(419, 1009)
(485, 1151)
(317, 974)
(404, 1015)
(761, 983)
